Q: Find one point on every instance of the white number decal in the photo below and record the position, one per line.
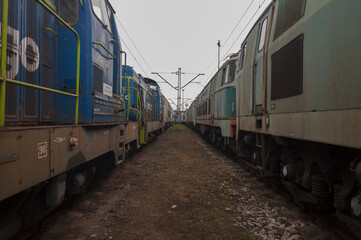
(42, 150)
(32, 65)
(13, 59)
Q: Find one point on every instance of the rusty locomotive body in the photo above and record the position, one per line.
(297, 110)
(64, 114)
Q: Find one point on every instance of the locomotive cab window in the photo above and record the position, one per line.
(68, 10)
(224, 75)
(102, 12)
(262, 37)
(107, 14)
(231, 72)
(243, 56)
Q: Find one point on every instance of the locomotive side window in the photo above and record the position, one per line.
(106, 16)
(209, 106)
(97, 9)
(109, 17)
(263, 35)
(68, 10)
(243, 56)
(231, 72)
(101, 11)
(224, 75)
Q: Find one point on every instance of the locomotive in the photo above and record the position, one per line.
(289, 104)
(69, 109)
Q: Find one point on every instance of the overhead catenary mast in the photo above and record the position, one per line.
(179, 88)
(179, 101)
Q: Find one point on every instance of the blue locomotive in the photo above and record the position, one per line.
(68, 109)
(145, 107)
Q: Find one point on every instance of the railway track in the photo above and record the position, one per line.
(329, 221)
(346, 229)
(31, 232)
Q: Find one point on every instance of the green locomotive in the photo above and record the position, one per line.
(297, 103)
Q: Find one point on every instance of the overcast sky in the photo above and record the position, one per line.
(170, 34)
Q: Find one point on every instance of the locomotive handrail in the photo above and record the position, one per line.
(139, 103)
(4, 43)
(118, 80)
(106, 49)
(3, 78)
(51, 30)
(139, 109)
(50, 4)
(38, 87)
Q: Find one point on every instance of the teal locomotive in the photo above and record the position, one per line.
(292, 111)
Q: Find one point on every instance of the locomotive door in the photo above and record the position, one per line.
(12, 107)
(258, 67)
(30, 60)
(48, 36)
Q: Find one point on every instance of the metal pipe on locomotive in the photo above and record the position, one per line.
(62, 105)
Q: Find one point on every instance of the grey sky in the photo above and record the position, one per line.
(172, 34)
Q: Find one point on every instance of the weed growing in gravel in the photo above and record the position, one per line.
(177, 128)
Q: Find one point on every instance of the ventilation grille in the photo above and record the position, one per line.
(48, 107)
(68, 9)
(289, 12)
(97, 79)
(287, 70)
(11, 103)
(31, 95)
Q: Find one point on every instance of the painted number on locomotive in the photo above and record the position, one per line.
(42, 150)
(29, 60)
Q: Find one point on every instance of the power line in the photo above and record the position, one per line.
(244, 28)
(145, 73)
(239, 21)
(179, 88)
(133, 43)
(216, 68)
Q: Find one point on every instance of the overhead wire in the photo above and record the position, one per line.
(130, 38)
(244, 29)
(234, 42)
(229, 36)
(133, 56)
(239, 21)
(141, 55)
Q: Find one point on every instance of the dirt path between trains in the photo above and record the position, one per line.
(179, 187)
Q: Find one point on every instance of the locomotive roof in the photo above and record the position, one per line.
(150, 81)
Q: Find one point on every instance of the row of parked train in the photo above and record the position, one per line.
(69, 108)
(289, 103)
